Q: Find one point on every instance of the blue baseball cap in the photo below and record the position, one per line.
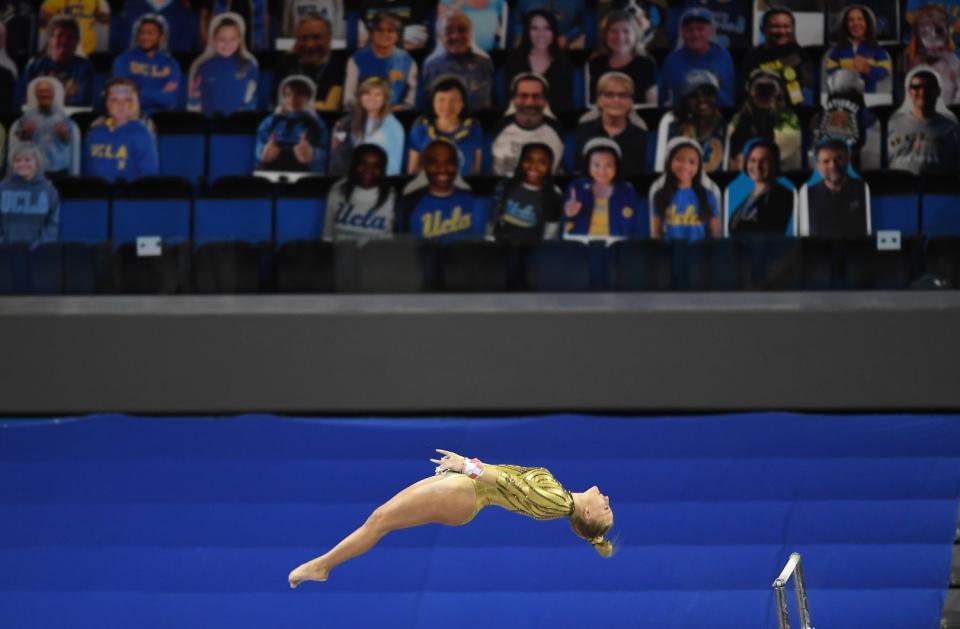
(698, 78)
(696, 13)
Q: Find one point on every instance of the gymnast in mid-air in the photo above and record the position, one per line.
(453, 496)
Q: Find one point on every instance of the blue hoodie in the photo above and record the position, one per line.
(29, 210)
(128, 151)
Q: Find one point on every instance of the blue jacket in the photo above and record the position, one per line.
(126, 152)
(151, 74)
(224, 87)
(624, 206)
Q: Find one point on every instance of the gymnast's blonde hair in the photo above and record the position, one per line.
(593, 533)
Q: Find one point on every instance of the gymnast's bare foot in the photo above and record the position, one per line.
(313, 570)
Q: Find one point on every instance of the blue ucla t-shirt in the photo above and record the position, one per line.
(681, 221)
(455, 217)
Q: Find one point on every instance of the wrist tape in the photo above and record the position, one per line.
(473, 468)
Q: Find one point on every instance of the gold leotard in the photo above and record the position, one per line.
(530, 491)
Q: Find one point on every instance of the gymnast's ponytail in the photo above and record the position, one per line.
(593, 533)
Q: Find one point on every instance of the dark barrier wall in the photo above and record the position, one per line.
(484, 353)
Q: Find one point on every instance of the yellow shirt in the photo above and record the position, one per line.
(530, 491)
(600, 219)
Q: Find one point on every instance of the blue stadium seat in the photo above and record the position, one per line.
(641, 265)
(153, 206)
(474, 266)
(86, 268)
(642, 184)
(894, 200)
(591, 27)
(182, 144)
(708, 264)
(84, 120)
(483, 188)
(943, 258)
(305, 266)
(54, 268)
(866, 268)
(558, 266)
(84, 210)
(232, 143)
(230, 220)
(185, 60)
(819, 263)
(401, 265)
(167, 273)
(233, 236)
(102, 68)
(267, 61)
(941, 205)
(46, 269)
(579, 86)
(776, 262)
(14, 276)
(500, 96)
(301, 210)
(231, 267)
(568, 126)
(353, 19)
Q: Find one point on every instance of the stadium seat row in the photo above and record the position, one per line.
(407, 266)
(254, 210)
(202, 150)
(268, 60)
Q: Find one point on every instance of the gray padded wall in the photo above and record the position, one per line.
(481, 354)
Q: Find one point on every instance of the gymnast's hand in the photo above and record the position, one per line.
(449, 462)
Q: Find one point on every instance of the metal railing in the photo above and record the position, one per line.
(794, 569)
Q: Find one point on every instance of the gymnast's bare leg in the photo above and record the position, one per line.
(435, 500)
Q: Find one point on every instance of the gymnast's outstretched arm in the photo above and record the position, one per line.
(439, 499)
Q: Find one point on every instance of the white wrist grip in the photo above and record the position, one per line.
(472, 468)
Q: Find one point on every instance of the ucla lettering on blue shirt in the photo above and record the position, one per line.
(454, 217)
